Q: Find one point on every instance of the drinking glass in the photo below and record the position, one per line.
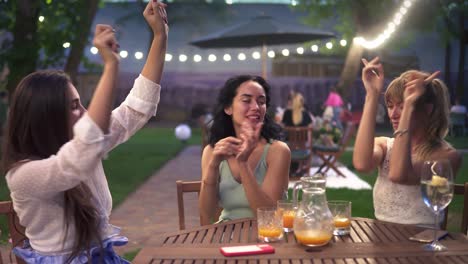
(288, 211)
(269, 224)
(437, 193)
(341, 211)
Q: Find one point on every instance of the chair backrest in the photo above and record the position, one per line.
(299, 138)
(348, 134)
(460, 189)
(185, 187)
(17, 232)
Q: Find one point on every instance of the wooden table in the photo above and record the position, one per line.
(370, 241)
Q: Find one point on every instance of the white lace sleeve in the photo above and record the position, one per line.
(139, 106)
(62, 171)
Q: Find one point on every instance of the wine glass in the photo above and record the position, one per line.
(437, 193)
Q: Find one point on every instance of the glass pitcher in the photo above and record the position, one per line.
(313, 224)
(317, 180)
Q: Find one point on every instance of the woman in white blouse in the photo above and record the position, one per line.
(53, 151)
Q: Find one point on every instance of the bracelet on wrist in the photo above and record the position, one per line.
(399, 132)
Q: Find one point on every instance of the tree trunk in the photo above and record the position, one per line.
(461, 57)
(25, 50)
(353, 58)
(79, 43)
(350, 70)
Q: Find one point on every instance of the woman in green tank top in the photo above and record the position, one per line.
(244, 166)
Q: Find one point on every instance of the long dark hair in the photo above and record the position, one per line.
(222, 123)
(37, 126)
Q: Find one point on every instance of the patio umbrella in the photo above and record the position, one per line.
(261, 31)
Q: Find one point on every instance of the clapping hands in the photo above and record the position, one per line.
(241, 147)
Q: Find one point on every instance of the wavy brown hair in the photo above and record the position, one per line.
(37, 127)
(437, 122)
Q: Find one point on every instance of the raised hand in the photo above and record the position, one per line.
(156, 17)
(106, 43)
(417, 87)
(249, 134)
(373, 76)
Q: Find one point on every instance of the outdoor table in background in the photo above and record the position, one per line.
(370, 241)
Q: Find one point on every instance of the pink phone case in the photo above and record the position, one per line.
(233, 251)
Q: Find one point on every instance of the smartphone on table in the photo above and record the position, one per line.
(232, 251)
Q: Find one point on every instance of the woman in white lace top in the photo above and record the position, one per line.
(54, 147)
(418, 108)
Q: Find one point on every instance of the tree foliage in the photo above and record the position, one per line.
(29, 43)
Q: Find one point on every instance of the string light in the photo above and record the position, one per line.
(66, 45)
(271, 54)
(227, 57)
(212, 57)
(138, 55)
(123, 54)
(41, 18)
(197, 58)
(182, 58)
(93, 50)
(387, 33)
(343, 42)
(256, 55)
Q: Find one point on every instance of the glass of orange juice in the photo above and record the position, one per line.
(288, 212)
(269, 224)
(341, 211)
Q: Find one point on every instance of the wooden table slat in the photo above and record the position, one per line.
(360, 231)
(217, 236)
(245, 232)
(371, 241)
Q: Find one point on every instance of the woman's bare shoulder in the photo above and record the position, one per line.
(279, 146)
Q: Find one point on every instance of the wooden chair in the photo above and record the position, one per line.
(329, 155)
(299, 140)
(460, 189)
(14, 227)
(188, 187)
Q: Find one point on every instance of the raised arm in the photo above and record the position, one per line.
(155, 15)
(367, 151)
(101, 105)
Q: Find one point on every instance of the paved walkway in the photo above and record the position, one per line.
(152, 209)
